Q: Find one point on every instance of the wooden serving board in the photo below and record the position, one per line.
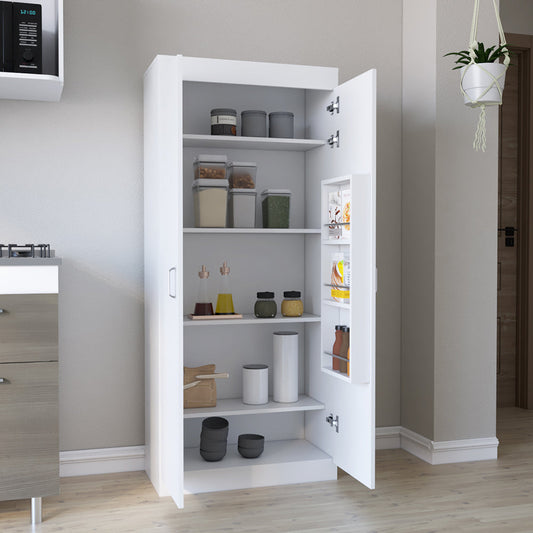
(214, 317)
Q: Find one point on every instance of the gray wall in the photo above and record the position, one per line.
(72, 176)
(449, 234)
(517, 16)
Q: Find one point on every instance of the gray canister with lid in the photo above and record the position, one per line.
(281, 124)
(253, 123)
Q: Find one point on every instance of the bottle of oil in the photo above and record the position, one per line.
(203, 305)
(225, 299)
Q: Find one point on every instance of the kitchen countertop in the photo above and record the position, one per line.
(30, 261)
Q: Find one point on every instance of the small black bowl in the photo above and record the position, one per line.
(251, 440)
(251, 445)
(212, 456)
(250, 453)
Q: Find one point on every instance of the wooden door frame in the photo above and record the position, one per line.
(521, 47)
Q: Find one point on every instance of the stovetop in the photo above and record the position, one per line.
(26, 250)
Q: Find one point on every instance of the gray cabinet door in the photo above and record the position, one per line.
(28, 328)
(29, 441)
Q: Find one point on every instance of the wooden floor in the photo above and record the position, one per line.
(411, 496)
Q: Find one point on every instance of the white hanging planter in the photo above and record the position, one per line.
(482, 83)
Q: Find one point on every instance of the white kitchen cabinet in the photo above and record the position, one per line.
(47, 86)
(331, 147)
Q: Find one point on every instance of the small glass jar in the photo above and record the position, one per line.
(265, 307)
(292, 304)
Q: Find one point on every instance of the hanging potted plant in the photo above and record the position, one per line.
(482, 73)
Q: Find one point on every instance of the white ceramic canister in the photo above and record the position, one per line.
(255, 384)
(285, 366)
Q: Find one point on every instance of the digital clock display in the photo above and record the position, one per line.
(28, 12)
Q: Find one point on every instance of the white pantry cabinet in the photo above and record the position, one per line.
(332, 148)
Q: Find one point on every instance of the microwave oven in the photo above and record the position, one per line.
(21, 37)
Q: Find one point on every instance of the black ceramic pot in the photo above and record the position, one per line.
(212, 456)
(215, 428)
(212, 445)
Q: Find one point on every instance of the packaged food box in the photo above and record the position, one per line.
(207, 166)
(242, 175)
(210, 202)
(276, 205)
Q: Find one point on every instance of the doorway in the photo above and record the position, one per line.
(515, 231)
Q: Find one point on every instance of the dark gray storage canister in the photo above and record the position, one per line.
(223, 121)
(281, 124)
(253, 123)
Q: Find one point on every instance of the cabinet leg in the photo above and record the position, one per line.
(36, 510)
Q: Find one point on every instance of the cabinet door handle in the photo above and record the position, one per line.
(4, 381)
(172, 282)
(2, 311)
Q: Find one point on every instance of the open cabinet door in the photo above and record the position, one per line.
(163, 259)
(348, 164)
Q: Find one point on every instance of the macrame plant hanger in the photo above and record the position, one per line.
(480, 139)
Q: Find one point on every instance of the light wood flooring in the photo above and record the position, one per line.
(411, 496)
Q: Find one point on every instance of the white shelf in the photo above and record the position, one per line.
(282, 462)
(340, 305)
(338, 242)
(251, 320)
(234, 406)
(191, 140)
(336, 373)
(20, 86)
(256, 231)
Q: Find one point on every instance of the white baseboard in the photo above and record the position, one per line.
(101, 461)
(388, 438)
(131, 458)
(436, 452)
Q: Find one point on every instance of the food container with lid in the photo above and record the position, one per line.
(281, 124)
(242, 174)
(210, 202)
(255, 384)
(275, 205)
(209, 166)
(292, 304)
(241, 212)
(265, 306)
(253, 123)
(223, 121)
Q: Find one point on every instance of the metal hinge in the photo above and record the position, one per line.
(334, 106)
(333, 422)
(334, 139)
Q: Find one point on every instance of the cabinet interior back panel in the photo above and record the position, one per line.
(231, 347)
(275, 170)
(285, 426)
(257, 263)
(200, 98)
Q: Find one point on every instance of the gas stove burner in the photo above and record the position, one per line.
(26, 250)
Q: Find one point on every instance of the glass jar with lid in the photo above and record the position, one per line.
(292, 304)
(265, 306)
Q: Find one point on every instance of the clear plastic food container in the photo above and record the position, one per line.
(210, 202)
(276, 205)
(207, 166)
(242, 208)
(242, 175)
